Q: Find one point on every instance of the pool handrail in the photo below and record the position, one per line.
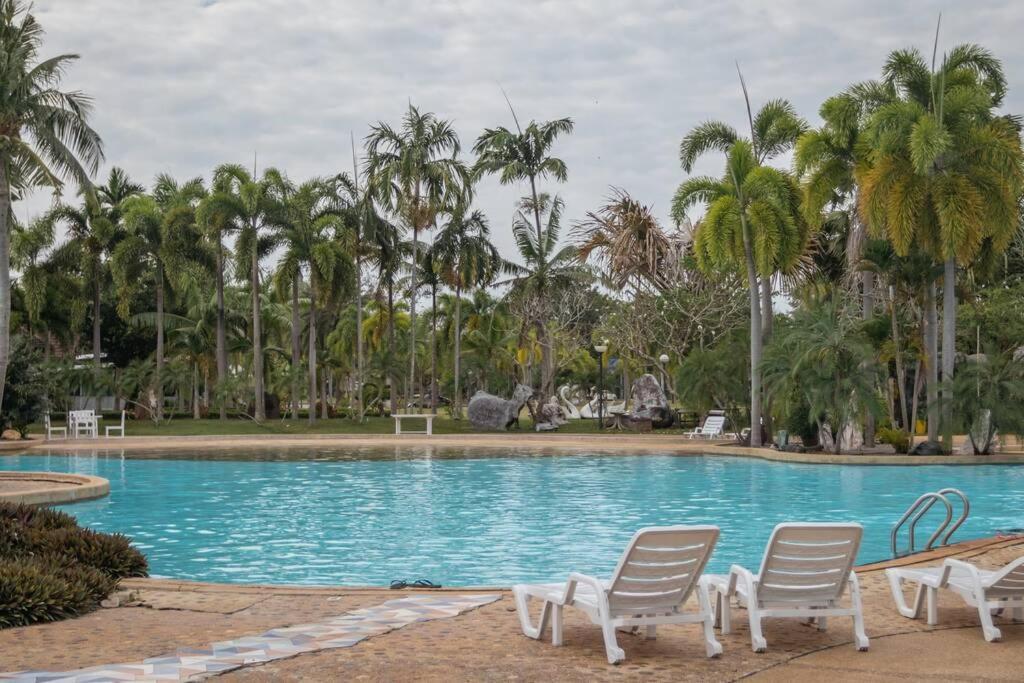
(963, 515)
(921, 506)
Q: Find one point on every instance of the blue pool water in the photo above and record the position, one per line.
(458, 518)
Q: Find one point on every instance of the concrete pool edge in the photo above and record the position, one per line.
(524, 440)
(967, 548)
(52, 488)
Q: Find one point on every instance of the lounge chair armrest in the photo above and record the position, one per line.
(738, 573)
(575, 578)
(954, 565)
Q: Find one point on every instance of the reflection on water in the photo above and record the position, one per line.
(476, 516)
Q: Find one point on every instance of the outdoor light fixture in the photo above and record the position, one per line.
(600, 347)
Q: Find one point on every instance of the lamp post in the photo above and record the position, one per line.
(663, 359)
(600, 348)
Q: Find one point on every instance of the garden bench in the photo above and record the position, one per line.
(415, 416)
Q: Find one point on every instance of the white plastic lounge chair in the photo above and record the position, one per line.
(806, 569)
(988, 591)
(712, 428)
(117, 428)
(654, 577)
(51, 430)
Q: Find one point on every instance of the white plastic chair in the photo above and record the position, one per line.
(51, 430)
(116, 428)
(654, 577)
(988, 591)
(83, 421)
(805, 572)
(713, 425)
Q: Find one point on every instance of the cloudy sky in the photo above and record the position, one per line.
(182, 85)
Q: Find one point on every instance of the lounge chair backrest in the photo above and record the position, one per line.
(1008, 582)
(808, 562)
(660, 568)
(713, 423)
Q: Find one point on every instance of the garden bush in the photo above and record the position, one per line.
(897, 438)
(50, 568)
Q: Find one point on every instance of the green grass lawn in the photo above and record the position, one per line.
(443, 424)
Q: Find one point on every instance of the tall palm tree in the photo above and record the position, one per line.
(248, 205)
(943, 172)
(524, 155)
(753, 222)
(773, 131)
(465, 259)
(414, 171)
(313, 218)
(547, 270)
(44, 134)
(390, 254)
(162, 239)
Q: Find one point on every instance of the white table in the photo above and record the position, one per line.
(415, 416)
(84, 420)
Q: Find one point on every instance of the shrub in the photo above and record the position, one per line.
(50, 568)
(897, 438)
(25, 387)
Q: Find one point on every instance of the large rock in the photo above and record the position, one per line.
(649, 402)
(551, 416)
(489, 412)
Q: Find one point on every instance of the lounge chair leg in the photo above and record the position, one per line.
(896, 585)
(724, 614)
(611, 646)
(992, 633)
(652, 632)
(933, 606)
(822, 623)
(522, 607)
(1018, 613)
(860, 638)
(556, 625)
(757, 640)
(711, 645)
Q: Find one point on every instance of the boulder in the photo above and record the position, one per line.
(489, 412)
(649, 402)
(927, 448)
(551, 416)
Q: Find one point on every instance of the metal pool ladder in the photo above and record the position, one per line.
(920, 508)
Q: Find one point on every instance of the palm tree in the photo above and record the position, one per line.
(523, 155)
(314, 217)
(44, 134)
(943, 172)
(240, 202)
(547, 270)
(161, 238)
(414, 171)
(629, 244)
(465, 259)
(390, 252)
(753, 222)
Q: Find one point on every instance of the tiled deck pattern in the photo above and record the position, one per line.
(343, 631)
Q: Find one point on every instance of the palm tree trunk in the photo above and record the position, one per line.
(393, 398)
(325, 392)
(259, 407)
(915, 400)
(756, 340)
(948, 350)
(196, 415)
(296, 346)
(767, 314)
(158, 379)
(5, 277)
(456, 396)
(97, 363)
(359, 332)
(312, 349)
(544, 351)
(867, 310)
(433, 349)
(901, 371)
(412, 306)
(931, 346)
(222, 350)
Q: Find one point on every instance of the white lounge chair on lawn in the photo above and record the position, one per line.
(654, 577)
(988, 591)
(712, 428)
(51, 430)
(117, 428)
(806, 569)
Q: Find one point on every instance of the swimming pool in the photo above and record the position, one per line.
(465, 518)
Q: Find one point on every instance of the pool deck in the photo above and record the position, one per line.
(484, 642)
(525, 441)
